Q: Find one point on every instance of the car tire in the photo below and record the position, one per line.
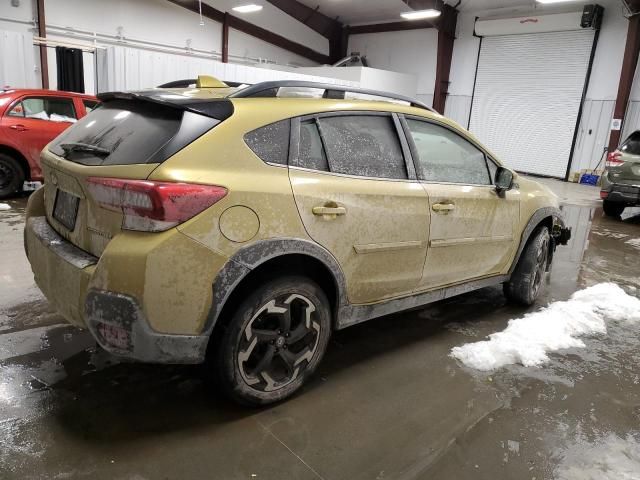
(527, 279)
(11, 176)
(273, 343)
(613, 209)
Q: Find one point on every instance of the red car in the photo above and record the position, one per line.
(29, 120)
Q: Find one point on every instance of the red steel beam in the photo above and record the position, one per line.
(446, 38)
(253, 30)
(225, 39)
(629, 63)
(42, 32)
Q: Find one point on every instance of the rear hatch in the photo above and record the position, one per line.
(100, 164)
(624, 164)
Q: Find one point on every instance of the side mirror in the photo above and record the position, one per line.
(504, 179)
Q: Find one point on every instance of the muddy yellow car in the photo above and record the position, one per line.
(243, 226)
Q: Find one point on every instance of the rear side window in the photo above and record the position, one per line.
(363, 145)
(632, 144)
(271, 142)
(90, 105)
(123, 132)
(45, 108)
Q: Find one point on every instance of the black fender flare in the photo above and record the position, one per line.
(537, 217)
(248, 258)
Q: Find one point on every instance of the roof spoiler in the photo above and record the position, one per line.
(219, 108)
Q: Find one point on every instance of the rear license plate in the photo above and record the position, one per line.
(65, 209)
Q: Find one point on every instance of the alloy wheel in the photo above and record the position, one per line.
(278, 343)
(541, 265)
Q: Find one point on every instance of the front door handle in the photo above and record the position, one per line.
(443, 207)
(20, 128)
(329, 211)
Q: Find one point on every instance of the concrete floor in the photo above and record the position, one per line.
(388, 401)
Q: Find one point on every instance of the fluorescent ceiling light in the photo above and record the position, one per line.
(252, 7)
(420, 14)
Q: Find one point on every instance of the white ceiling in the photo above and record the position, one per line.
(353, 12)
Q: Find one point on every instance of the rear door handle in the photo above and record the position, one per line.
(322, 210)
(20, 128)
(443, 207)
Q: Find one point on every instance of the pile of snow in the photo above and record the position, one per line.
(5, 206)
(527, 340)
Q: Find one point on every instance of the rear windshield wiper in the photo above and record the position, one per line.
(84, 147)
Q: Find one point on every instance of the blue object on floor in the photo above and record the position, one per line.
(588, 179)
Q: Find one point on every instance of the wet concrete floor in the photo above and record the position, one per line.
(388, 402)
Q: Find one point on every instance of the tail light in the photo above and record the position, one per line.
(153, 206)
(614, 159)
(604, 194)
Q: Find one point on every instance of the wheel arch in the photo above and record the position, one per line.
(546, 216)
(24, 164)
(256, 263)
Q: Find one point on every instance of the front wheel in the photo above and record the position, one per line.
(528, 277)
(612, 209)
(274, 341)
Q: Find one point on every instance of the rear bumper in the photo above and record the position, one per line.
(64, 274)
(620, 193)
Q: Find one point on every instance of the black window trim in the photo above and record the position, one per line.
(26, 97)
(294, 144)
(414, 150)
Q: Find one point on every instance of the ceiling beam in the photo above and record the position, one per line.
(311, 17)
(390, 27)
(446, 38)
(255, 31)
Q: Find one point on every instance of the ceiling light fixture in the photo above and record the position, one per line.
(252, 7)
(421, 14)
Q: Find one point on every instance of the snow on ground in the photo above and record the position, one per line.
(5, 206)
(634, 242)
(527, 340)
(609, 458)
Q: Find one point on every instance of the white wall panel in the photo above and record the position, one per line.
(412, 51)
(528, 93)
(17, 60)
(593, 134)
(125, 68)
(458, 108)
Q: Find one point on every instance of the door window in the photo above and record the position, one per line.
(446, 157)
(363, 145)
(312, 154)
(45, 108)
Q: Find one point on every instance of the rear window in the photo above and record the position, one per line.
(123, 132)
(632, 144)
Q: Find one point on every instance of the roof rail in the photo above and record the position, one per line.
(270, 89)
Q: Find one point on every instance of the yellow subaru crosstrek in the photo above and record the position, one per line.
(242, 226)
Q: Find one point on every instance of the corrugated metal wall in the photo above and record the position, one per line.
(458, 108)
(593, 134)
(17, 60)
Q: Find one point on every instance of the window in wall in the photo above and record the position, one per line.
(363, 145)
(312, 154)
(271, 142)
(444, 156)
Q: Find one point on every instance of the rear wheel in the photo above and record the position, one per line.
(11, 176)
(527, 279)
(274, 342)
(612, 209)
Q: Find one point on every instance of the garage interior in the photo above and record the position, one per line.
(550, 87)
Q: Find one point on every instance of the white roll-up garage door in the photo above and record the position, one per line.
(527, 97)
